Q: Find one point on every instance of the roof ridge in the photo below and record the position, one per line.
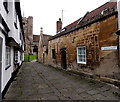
(100, 6)
(83, 17)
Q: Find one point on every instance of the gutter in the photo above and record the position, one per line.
(82, 26)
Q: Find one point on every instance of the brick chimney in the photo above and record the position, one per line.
(58, 25)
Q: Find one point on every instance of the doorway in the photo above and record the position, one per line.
(43, 58)
(1, 41)
(63, 59)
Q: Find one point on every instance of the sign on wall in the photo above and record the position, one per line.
(109, 48)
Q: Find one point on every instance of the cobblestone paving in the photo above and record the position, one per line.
(35, 81)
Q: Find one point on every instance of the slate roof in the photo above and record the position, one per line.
(73, 24)
(98, 10)
(99, 13)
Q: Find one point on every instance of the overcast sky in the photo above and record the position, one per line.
(46, 12)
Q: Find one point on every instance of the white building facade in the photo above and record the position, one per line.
(11, 40)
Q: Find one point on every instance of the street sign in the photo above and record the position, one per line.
(109, 48)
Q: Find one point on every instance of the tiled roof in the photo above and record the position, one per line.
(73, 24)
(98, 10)
(90, 17)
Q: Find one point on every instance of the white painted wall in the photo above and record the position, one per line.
(6, 74)
(15, 33)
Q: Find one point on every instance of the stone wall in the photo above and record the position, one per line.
(28, 31)
(93, 36)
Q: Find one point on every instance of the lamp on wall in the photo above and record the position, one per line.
(73, 40)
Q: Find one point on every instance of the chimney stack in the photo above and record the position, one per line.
(59, 25)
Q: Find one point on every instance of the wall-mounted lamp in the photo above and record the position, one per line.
(73, 40)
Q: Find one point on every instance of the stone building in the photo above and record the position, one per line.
(28, 30)
(88, 45)
(36, 40)
(35, 44)
(43, 47)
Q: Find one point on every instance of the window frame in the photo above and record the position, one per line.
(8, 57)
(16, 20)
(82, 54)
(5, 4)
(16, 56)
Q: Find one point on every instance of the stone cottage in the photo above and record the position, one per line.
(89, 44)
(43, 47)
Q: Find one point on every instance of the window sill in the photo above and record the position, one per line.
(81, 63)
(7, 67)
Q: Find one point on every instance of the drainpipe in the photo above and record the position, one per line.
(118, 32)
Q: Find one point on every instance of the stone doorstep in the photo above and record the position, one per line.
(98, 78)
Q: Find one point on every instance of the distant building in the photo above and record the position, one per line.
(28, 30)
(88, 45)
(43, 47)
(11, 40)
(36, 39)
(35, 43)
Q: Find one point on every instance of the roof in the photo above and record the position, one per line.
(36, 38)
(45, 38)
(73, 24)
(98, 10)
(99, 13)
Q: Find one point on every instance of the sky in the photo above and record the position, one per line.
(46, 12)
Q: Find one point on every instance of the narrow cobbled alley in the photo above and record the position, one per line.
(35, 81)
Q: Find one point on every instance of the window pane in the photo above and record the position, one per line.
(81, 53)
(84, 52)
(79, 57)
(8, 57)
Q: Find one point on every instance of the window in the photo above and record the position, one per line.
(8, 57)
(21, 56)
(81, 54)
(20, 36)
(5, 3)
(16, 56)
(53, 54)
(15, 23)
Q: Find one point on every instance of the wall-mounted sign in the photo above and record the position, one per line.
(109, 48)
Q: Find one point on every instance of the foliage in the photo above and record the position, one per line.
(29, 57)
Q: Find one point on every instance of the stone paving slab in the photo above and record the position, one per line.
(39, 82)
